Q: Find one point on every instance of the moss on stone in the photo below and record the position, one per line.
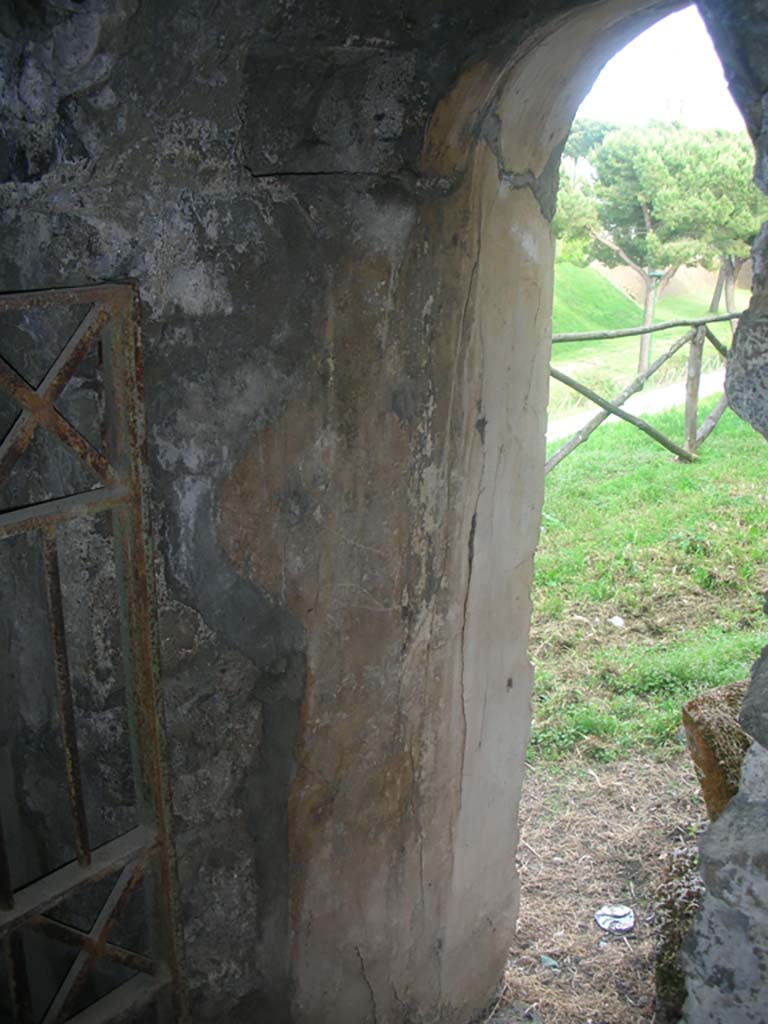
(677, 900)
(717, 743)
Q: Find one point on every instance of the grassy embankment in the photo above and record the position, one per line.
(679, 553)
(585, 301)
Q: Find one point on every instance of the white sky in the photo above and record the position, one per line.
(669, 73)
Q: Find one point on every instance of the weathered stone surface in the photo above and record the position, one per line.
(675, 904)
(726, 954)
(727, 962)
(747, 368)
(754, 712)
(738, 31)
(338, 218)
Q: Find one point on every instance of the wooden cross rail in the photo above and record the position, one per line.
(616, 410)
(697, 334)
(629, 332)
(631, 389)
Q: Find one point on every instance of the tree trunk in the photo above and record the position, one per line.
(644, 355)
(692, 384)
(730, 283)
(733, 268)
(714, 305)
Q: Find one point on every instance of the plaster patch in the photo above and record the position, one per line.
(385, 226)
(199, 290)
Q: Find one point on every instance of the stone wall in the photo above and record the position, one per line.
(726, 956)
(337, 215)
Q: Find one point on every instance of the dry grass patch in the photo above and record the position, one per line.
(594, 834)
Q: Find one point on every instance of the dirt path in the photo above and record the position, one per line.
(655, 400)
(593, 834)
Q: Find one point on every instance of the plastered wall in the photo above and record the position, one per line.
(338, 217)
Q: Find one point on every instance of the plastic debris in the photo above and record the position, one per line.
(547, 961)
(617, 621)
(615, 918)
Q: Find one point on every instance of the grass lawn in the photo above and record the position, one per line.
(679, 553)
(583, 301)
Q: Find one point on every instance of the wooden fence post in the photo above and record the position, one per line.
(593, 396)
(692, 390)
(631, 389)
(694, 436)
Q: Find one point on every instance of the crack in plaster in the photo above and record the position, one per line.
(464, 316)
(540, 185)
(471, 555)
(418, 823)
(368, 985)
(410, 182)
(517, 179)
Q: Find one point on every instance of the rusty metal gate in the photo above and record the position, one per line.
(109, 336)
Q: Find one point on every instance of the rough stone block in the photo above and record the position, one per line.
(754, 712)
(676, 902)
(734, 859)
(726, 960)
(725, 956)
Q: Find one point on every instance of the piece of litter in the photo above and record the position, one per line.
(547, 961)
(615, 918)
(617, 621)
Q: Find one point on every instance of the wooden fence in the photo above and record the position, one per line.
(696, 336)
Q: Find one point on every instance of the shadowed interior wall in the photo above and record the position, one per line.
(339, 221)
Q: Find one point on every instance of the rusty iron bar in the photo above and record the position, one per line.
(64, 694)
(145, 597)
(47, 514)
(124, 1001)
(18, 978)
(101, 400)
(101, 415)
(51, 419)
(76, 937)
(123, 440)
(111, 294)
(6, 884)
(73, 353)
(16, 442)
(105, 922)
(56, 379)
(133, 533)
(44, 894)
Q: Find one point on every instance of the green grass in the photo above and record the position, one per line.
(679, 552)
(584, 301)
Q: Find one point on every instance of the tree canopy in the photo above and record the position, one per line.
(656, 197)
(585, 135)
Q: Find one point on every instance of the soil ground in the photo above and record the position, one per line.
(593, 834)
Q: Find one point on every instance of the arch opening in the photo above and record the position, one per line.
(346, 340)
(521, 114)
